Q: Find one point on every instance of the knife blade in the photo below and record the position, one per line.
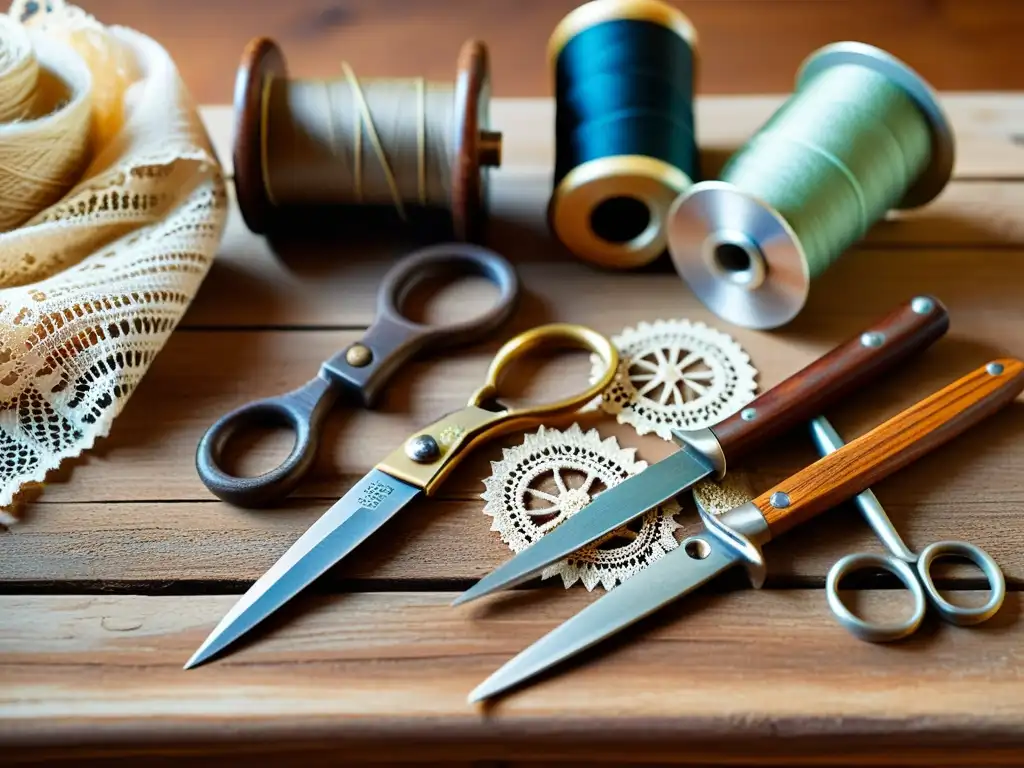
(905, 331)
(736, 537)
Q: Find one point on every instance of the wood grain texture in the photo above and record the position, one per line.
(890, 446)
(386, 675)
(746, 46)
(379, 666)
(166, 548)
(161, 426)
(903, 333)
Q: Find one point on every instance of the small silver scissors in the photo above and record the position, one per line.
(899, 562)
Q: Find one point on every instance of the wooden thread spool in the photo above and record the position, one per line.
(284, 159)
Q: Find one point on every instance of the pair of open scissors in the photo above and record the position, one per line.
(357, 374)
(414, 468)
(913, 569)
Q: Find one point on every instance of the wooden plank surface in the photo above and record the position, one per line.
(746, 46)
(365, 672)
(123, 562)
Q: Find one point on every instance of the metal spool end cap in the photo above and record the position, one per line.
(581, 204)
(738, 255)
(935, 177)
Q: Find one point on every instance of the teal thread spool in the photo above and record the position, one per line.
(862, 134)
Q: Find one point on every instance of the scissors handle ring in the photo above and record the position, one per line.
(443, 260)
(874, 631)
(301, 410)
(961, 615)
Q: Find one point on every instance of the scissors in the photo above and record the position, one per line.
(417, 467)
(356, 374)
(917, 579)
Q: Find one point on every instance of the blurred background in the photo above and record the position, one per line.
(746, 46)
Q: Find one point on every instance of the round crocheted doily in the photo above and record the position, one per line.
(551, 476)
(676, 375)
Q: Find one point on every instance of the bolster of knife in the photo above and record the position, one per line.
(904, 332)
(852, 468)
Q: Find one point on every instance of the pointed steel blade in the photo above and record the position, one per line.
(609, 510)
(368, 505)
(663, 581)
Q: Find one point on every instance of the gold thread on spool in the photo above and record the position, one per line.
(302, 142)
(862, 134)
(609, 206)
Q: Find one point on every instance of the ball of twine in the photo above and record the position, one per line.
(45, 108)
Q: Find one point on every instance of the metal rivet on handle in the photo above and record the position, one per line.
(872, 339)
(422, 449)
(748, 414)
(779, 500)
(358, 355)
(922, 305)
(994, 369)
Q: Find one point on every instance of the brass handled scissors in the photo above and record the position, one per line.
(417, 467)
(913, 569)
(358, 373)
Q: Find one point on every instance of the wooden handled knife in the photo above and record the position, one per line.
(890, 342)
(736, 537)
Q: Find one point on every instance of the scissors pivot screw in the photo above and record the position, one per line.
(422, 449)
(358, 355)
(779, 500)
(872, 339)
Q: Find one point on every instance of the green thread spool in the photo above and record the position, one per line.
(862, 134)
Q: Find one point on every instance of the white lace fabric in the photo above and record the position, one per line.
(550, 477)
(676, 375)
(92, 286)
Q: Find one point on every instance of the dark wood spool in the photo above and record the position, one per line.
(475, 146)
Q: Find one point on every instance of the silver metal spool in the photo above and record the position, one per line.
(739, 255)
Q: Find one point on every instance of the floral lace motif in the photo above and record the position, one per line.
(551, 476)
(676, 375)
(94, 285)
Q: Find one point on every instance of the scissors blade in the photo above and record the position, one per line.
(609, 510)
(663, 581)
(366, 507)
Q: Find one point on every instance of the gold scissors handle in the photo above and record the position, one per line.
(428, 457)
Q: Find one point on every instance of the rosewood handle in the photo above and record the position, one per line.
(890, 446)
(904, 332)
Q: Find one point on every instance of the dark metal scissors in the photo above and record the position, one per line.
(358, 373)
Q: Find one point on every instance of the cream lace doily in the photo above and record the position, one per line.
(551, 476)
(718, 496)
(92, 284)
(675, 374)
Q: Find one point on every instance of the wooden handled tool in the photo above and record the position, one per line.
(891, 446)
(904, 332)
(851, 366)
(735, 537)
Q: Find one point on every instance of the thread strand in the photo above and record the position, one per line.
(371, 129)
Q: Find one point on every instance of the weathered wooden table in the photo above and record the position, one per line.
(125, 562)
